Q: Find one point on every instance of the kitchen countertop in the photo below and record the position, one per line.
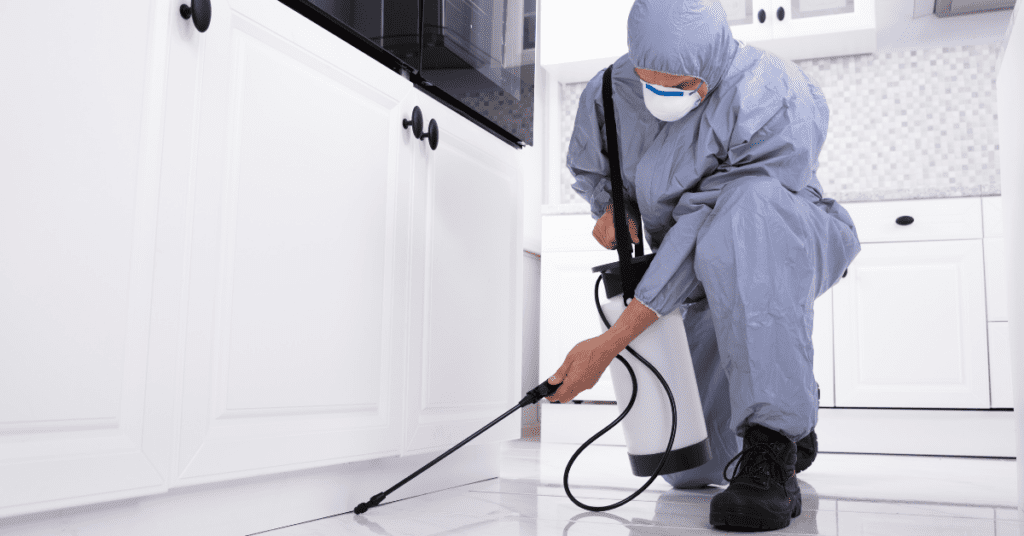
(842, 197)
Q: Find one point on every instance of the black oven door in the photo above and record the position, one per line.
(479, 52)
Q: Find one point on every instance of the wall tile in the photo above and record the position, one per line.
(906, 124)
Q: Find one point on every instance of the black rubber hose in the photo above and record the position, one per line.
(632, 398)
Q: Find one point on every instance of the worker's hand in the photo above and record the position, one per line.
(583, 367)
(604, 230)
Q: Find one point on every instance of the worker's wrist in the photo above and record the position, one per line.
(631, 323)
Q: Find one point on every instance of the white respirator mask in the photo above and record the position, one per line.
(669, 103)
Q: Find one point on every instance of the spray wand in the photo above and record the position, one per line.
(532, 397)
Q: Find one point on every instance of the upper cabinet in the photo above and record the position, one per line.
(804, 29)
(580, 38)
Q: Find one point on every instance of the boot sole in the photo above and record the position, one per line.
(753, 520)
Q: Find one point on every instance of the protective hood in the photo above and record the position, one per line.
(682, 37)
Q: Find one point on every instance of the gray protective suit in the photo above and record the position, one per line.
(731, 203)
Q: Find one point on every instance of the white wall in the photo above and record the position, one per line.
(1011, 134)
(531, 339)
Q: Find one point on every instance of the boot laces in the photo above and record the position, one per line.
(756, 462)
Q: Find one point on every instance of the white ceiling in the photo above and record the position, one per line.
(906, 24)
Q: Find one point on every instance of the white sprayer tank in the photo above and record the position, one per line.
(647, 425)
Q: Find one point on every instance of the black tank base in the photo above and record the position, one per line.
(682, 459)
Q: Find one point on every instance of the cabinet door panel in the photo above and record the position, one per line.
(813, 17)
(80, 152)
(820, 28)
(744, 22)
(292, 358)
(465, 356)
(910, 327)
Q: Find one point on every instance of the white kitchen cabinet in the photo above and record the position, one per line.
(957, 218)
(995, 259)
(81, 168)
(222, 254)
(1000, 374)
(744, 19)
(910, 327)
(1000, 377)
(582, 37)
(804, 29)
(466, 268)
(295, 277)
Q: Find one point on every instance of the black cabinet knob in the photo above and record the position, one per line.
(432, 134)
(416, 123)
(761, 16)
(904, 220)
(781, 13)
(200, 12)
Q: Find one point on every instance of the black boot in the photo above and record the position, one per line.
(763, 493)
(806, 451)
(807, 448)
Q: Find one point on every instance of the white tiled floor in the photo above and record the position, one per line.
(842, 494)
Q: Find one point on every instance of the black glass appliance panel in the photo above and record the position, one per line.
(478, 52)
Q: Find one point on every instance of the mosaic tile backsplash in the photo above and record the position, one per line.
(906, 124)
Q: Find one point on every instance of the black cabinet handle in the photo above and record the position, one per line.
(417, 127)
(905, 220)
(200, 12)
(432, 134)
(781, 13)
(416, 123)
(761, 16)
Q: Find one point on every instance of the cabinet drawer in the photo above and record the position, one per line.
(934, 219)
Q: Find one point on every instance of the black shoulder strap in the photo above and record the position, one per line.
(624, 244)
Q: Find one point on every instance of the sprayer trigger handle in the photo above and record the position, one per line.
(546, 389)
